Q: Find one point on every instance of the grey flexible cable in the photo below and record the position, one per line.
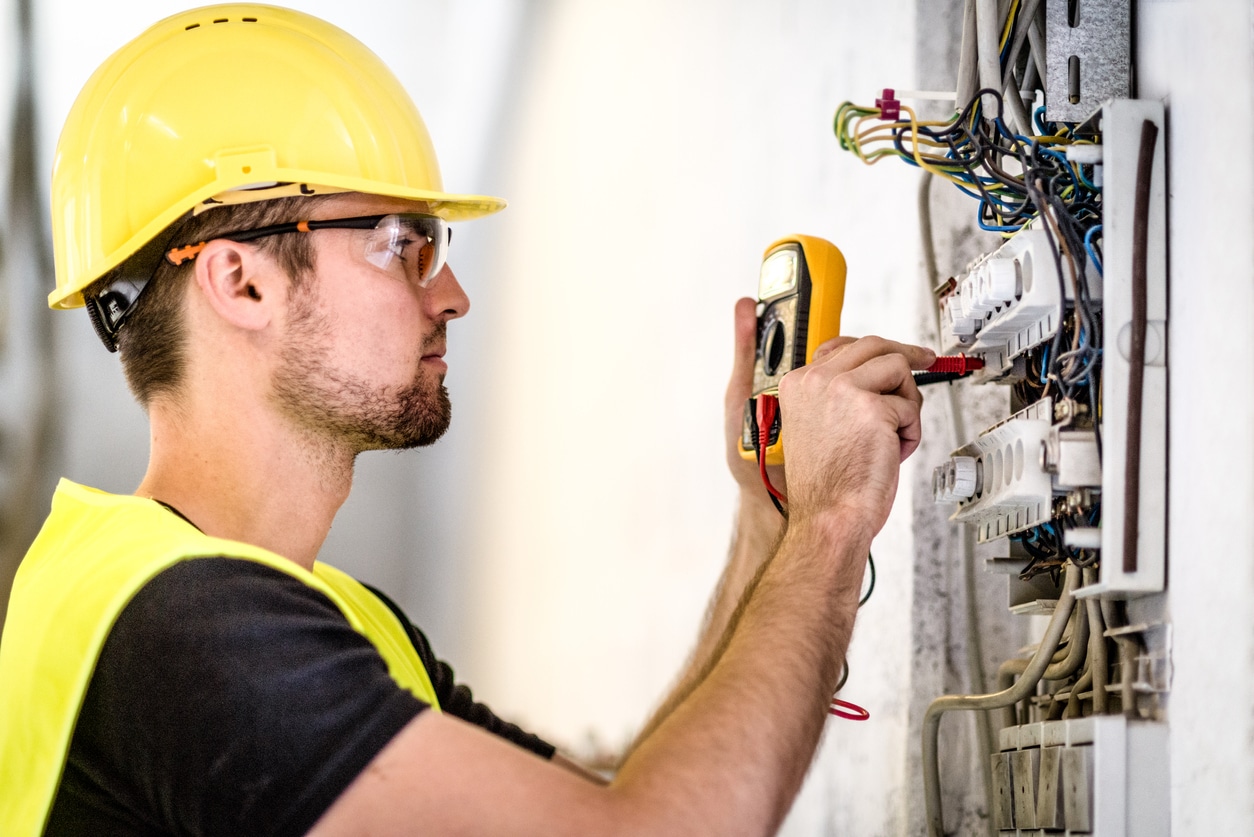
(1036, 37)
(1128, 647)
(1012, 89)
(1030, 79)
(1099, 661)
(1026, 684)
(1073, 699)
(968, 72)
(1077, 652)
(1026, 15)
(987, 24)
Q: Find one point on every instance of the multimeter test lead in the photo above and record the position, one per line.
(948, 368)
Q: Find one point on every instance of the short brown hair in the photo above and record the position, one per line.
(152, 342)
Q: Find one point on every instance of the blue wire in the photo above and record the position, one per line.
(1040, 123)
(1044, 362)
(1088, 248)
(1079, 170)
(1065, 163)
(990, 228)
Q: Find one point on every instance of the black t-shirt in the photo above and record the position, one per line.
(232, 699)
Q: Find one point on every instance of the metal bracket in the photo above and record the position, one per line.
(1088, 46)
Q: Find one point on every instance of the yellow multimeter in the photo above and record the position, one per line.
(800, 293)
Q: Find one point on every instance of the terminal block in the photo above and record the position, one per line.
(1099, 776)
(1009, 302)
(1007, 479)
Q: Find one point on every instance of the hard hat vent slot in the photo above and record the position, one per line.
(221, 20)
(249, 19)
(192, 26)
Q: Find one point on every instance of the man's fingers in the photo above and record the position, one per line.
(851, 353)
(887, 375)
(829, 346)
(741, 383)
(909, 422)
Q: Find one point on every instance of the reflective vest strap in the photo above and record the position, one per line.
(377, 622)
(94, 553)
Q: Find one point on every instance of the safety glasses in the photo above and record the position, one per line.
(417, 242)
(410, 242)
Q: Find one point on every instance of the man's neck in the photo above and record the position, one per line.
(246, 475)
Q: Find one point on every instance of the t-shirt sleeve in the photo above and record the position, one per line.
(229, 698)
(456, 699)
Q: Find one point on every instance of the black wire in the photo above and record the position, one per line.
(1094, 406)
(867, 595)
(844, 673)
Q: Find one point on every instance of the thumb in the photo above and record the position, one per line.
(741, 384)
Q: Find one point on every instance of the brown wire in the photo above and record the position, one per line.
(1136, 353)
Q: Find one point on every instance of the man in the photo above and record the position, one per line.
(248, 205)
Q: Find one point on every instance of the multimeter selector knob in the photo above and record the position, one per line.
(773, 347)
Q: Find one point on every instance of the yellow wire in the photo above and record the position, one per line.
(1010, 18)
(863, 136)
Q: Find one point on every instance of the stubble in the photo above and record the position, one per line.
(330, 402)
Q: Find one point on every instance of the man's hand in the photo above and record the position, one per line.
(850, 418)
(739, 388)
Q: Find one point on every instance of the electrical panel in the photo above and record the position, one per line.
(1067, 314)
(1057, 475)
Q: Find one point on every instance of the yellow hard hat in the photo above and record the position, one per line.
(227, 104)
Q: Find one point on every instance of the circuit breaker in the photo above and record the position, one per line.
(1064, 474)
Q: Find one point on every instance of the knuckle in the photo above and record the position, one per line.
(876, 343)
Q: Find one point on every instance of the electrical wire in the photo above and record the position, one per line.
(1099, 660)
(1088, 248)
(1136, 351)
(1032, 675)
(977, 152)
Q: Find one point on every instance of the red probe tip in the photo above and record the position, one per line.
(955, 364)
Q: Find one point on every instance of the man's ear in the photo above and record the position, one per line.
(240, 285)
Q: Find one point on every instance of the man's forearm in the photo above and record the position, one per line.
(758, 528)
(761, 706)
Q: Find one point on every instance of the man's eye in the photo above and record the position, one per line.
(409, 245)
(397, 247)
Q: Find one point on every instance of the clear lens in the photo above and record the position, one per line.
(418, 243)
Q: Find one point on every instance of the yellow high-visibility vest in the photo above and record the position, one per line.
(95, 552)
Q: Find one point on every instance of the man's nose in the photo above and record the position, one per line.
(445, 297)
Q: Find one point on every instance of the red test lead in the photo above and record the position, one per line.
(948, 368)
(955, 364)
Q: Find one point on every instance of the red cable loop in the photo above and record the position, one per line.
(848, 711)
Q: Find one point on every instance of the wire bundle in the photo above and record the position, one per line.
(1046, 544)
(981, 156)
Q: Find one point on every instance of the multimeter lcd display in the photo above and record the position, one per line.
(779, 274)
(783, 315)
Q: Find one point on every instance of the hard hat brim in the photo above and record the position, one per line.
(450, 207)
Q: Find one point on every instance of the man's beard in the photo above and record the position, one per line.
(330, 403)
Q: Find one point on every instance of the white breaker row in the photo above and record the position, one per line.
(1008, 303)
(1007, 479)
(1091, 776)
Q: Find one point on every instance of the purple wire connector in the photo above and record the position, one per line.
(890, 108)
